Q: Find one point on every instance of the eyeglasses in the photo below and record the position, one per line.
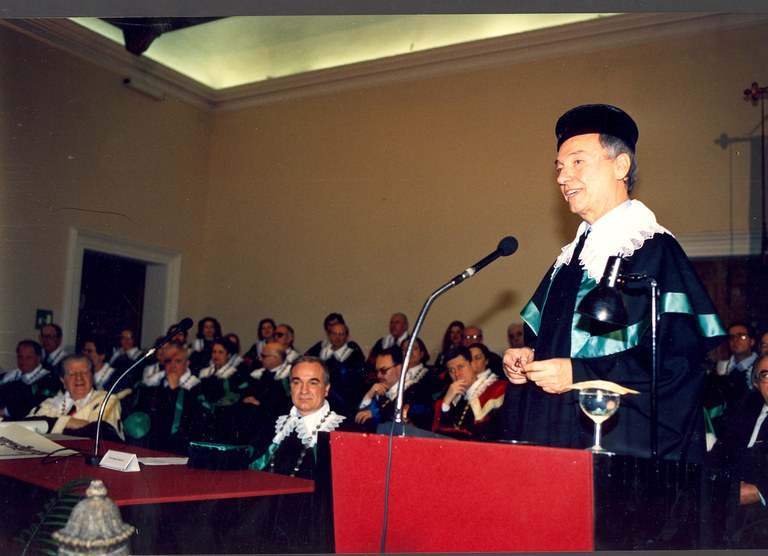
(384, 370)
(48, 336)
(738, 336)
(762, 376)
(472, 336)
(278, 334)
(265, 355)
(337, 333)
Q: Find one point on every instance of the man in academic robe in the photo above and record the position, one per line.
(596, 170)
(75, 409)
(346, 364)
(30, 383)
(170, 415)
(398, 333)
(53, 352)
(740, 468)
(471, 407)
(378, 404)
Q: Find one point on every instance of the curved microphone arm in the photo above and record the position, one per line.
(183, 326)
(407, 357)
(95, 459)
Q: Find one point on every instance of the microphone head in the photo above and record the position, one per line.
(507, 246)
(185, 325)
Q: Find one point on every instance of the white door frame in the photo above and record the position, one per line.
(161, 293)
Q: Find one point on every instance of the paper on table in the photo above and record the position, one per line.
(164, 461)
(605, 385)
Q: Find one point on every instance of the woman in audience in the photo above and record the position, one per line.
(208, 329)
(452, 337)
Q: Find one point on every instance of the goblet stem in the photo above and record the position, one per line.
(597, 446)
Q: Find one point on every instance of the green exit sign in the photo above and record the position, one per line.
(43, 317)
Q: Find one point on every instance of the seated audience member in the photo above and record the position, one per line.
(454, 336)
(208, 329)
(27, 385)
(728, 385)
(330, 319)
(398, 333)
(474, 335)
(346, 363)
(153, 372)
(53, 353)
(220, 386)
(234, 339)
(516, 335)
(265, 331)
(168, 416)
(269, 386)
(470, 409)
(128, 352)
(75, 409)
(288, 447)
(283, 334)
(420, 372)
(763, 347)
(378, 404)
(96, 348)
(741, 463)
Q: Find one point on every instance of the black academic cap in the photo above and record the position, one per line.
(596, 118)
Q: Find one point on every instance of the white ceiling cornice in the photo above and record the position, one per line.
(599, 34)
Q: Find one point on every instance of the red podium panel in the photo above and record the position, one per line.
(456, 496)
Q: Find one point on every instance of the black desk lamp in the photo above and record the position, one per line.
(605, 303)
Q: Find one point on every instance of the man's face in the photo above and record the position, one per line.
(590, 182)
(219, 355)
(764, 343)
(397, 325)
(337, 335)
(762, 367)
(27, 359)
(283, 336)
(269, 356)
(49, 339)
(89, 350)
(416, 354)
(472, 335)
(479, 360)
(308, 387)
(77, 379)
(176, 362)
(461, 369)
(739, 341)
(386, 370)
(515, 335)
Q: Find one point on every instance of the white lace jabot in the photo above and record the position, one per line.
(620, 232)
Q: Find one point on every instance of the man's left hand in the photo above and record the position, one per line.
(554, 376)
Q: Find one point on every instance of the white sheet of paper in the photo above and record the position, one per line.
(120, 461)
(164, 461)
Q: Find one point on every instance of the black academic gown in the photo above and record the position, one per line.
(688, 328)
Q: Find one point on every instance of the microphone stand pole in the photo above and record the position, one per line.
(95, 459)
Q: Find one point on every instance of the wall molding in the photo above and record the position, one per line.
(599, 34)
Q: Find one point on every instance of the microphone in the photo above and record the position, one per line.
(506, 247)
(183, 326)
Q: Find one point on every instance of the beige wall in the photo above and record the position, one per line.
(361, 202)
(80, 150)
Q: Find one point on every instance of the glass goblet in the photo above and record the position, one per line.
(598, 404)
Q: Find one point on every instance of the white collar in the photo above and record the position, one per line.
(306, 426)
(340, 354)
(480, 385)
(187, 381)
(621, 232)
(33, 376)
(282, 371)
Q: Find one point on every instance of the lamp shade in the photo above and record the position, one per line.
(605, 303)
